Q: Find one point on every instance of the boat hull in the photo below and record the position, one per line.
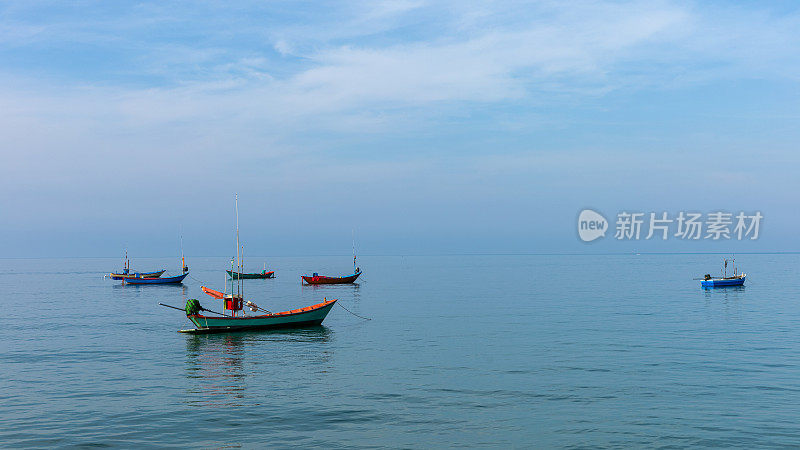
(722, 282)
(125, 276)
(251, 276)
(169, 280)
(297, 318)
(331, 280)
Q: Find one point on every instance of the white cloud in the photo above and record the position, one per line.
(391, 67)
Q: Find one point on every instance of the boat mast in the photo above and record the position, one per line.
(242, 271)
(354, 249)
(233, 270)
(238, 254)
(183, 260)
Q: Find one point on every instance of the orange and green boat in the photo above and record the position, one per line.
(236, 321)
(234, 318)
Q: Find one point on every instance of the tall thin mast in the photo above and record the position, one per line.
(238, 253)
(354, 250)
(183, 260)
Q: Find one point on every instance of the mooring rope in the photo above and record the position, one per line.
(351, 312)
(199, 281)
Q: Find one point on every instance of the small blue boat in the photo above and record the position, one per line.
(139, 279)
(168, 280)
(724, 281)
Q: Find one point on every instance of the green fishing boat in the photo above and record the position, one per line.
(250, 276)
(234, 317)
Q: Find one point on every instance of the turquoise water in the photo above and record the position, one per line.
(555, 351)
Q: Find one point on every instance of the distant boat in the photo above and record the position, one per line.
(724, 281)
(167, 280)
(249, 276)
(321, 279)
(126, 272)
(127, 276)
(252, 275)
(316, 278)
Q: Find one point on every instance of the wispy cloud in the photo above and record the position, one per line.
(356, 94)
(387, 56)
(391, 67)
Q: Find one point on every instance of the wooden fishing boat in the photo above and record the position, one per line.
(167, 280)
(724, 281)
(250, 276)
(126, 272)
(125, 276)
(316, 278)
(321, 279)
(235, 319)
(221, 323)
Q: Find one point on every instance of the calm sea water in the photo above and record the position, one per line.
(548, 351)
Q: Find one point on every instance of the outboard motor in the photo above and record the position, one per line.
(707, 276)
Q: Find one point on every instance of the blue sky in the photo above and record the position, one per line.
(429, 127)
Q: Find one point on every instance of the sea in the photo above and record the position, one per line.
(542, 351)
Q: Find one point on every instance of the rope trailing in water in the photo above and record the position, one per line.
(351, 312)
(201, 282)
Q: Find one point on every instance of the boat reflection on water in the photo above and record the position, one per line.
(725, 303)
(341, 287)
(239, 368)
(135, 288)
(731, 292)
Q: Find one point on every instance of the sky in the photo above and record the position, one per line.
(421, 127)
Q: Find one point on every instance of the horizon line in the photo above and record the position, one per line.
(791, 252)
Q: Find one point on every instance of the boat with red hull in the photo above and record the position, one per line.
(127, 276)
(321, 279)
(126, 272)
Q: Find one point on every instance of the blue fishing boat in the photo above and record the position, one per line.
(724, 281)
(165, 280)
(138, 279)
